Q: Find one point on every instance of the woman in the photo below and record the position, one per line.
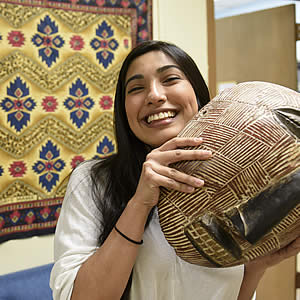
(108, 243)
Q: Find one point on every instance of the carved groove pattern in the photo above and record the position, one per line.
(252, 151)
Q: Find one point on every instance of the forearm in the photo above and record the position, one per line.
(105, 274)
(250, 282)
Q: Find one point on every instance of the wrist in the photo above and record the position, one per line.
(128, 238)
(252, 276)
(131, 224)
(139, 206)
(254, 269)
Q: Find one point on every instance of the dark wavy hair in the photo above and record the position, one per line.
(115, 178)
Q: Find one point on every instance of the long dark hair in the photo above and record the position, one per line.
(115, 178)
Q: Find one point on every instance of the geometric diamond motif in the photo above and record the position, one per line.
(105, 43)
(59, 67)
(18, 104)
(48, 41)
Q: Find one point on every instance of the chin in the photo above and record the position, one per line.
(162, 140)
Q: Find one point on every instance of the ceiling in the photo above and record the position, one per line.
(225, 8)
(227, 4)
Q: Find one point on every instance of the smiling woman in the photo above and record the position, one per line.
(109, 243)
(159, 98)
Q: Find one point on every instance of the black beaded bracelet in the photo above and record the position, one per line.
(127, 238)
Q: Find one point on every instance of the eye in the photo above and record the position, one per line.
(171, 79)
(134, 89)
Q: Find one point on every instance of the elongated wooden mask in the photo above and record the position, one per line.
(250, 204)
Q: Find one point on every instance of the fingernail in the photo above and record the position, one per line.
(198, 139)
(190, 189)
(199, 182)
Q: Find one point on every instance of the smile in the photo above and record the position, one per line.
(160, 116)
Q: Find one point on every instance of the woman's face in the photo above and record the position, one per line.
(159, 99)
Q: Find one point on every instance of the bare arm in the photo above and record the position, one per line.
(255, 270)
(105, 274)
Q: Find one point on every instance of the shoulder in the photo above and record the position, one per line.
(84, 169)
(79, 196)
(79, 213)
(81, 175)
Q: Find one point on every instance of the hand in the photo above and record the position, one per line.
(255, 269)
(262, 263)
(156, 171)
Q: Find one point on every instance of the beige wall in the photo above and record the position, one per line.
(185, 24)
(258, 46)
(17, 255)
(181, 22)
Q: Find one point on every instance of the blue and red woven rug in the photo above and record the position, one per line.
(59, 62)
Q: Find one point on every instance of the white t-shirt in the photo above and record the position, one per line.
(158, 273)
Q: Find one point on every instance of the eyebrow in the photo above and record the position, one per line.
(166, 67)
(159, 70)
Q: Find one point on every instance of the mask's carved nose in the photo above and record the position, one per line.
(260, 214)
(290, 119)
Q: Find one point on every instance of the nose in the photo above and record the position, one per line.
(156, 94)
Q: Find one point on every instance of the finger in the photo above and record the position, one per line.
(172, 156)
(179, 176)
(172, 184)
(291, 249)
(286, 252)
(177, 142)
(155, 179)
(296, 242)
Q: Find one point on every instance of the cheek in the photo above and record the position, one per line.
(131, 114)
(128, 109)
(190, 110)
(188, 99)
(194, 104)
(191, 106)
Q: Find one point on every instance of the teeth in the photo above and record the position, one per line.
(160, 116)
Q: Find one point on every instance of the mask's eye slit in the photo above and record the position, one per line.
(290, 119)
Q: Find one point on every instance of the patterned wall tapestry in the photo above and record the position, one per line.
(59, 62)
